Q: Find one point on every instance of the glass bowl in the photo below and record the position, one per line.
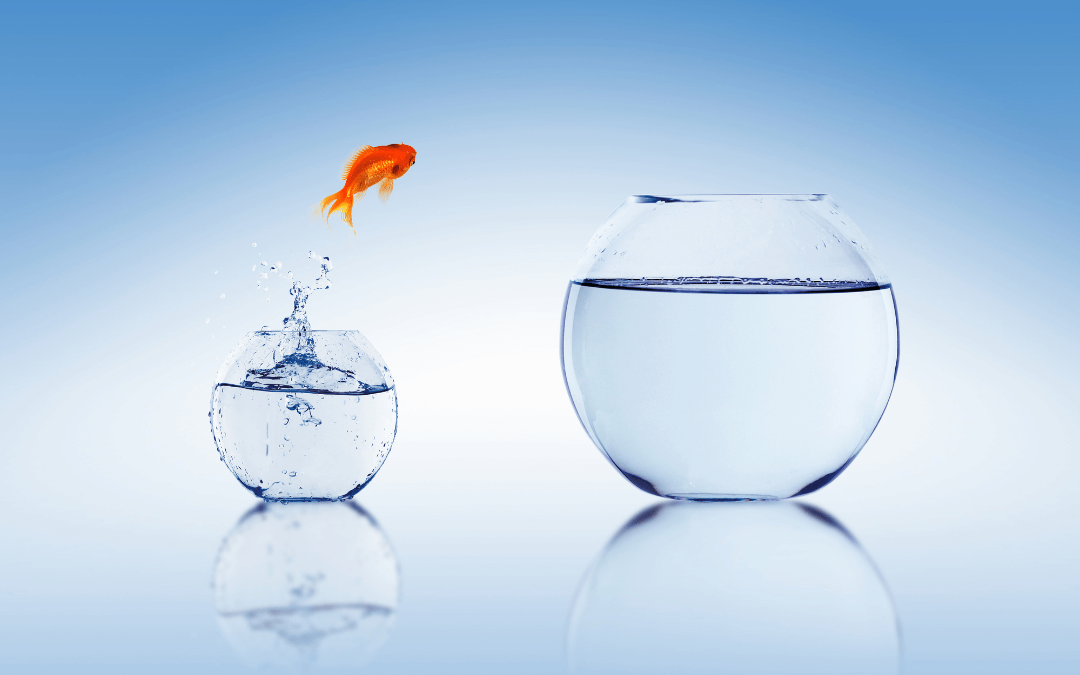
(304, 415)
(729, 347)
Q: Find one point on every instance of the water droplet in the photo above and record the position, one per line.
(292, 474)
(263, 276)
(215, 271)
(253, 245)
(254, 267)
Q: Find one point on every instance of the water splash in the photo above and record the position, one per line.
(296, 366)
(298, 320)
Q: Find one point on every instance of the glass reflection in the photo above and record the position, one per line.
(762, 588)
(306, 583)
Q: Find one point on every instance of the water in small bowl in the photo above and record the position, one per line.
(304, 427)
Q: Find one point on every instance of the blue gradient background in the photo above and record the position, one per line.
(146, 147)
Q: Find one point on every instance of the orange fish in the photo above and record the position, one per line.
(381, 164)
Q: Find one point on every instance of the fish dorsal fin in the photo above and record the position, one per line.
(355, 158)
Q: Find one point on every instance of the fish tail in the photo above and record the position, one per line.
(339, 201)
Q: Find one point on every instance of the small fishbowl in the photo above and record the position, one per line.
(304, 415)
(729, 347)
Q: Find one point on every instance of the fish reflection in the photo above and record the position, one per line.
(306, 583)
(763, 588)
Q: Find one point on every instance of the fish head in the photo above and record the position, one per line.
(405, 156)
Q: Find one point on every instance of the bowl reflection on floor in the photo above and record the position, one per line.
(734, 588)
(302, 584)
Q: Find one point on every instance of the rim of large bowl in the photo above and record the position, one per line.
(690, 198)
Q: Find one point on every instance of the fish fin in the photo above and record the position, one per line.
(354, 159)
(327, 202)
(339, 201)
(346, 211)
(385, 188)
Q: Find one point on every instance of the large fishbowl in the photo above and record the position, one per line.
(729, 347)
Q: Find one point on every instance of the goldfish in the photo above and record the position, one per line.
(370, 165)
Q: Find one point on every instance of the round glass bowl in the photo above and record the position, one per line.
(304, 415)
(728, 347)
